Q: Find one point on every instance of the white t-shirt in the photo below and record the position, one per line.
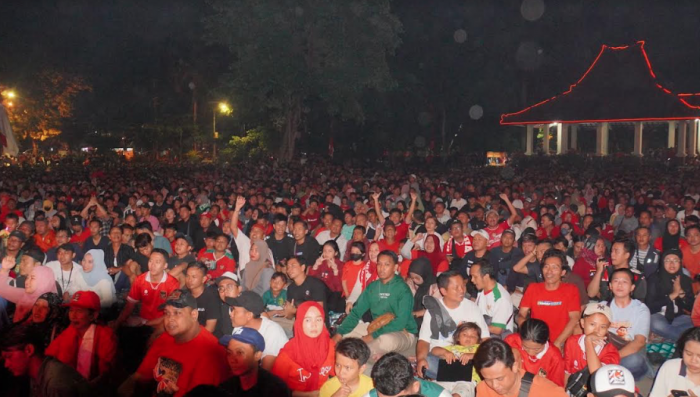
(341, 241)
(70, 282)
(467, 311)
(497, 305)
(670, 377)
(274, 336)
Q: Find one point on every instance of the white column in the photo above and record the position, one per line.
(602, 139)
(638, 128)
(528, 140)
(545, 140)
(605, 128)
(671, 134)
(682, 132)
(574, 136)
(693, 145)
(562, 138)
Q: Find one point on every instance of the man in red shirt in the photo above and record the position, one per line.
(495, 229)
(80, 234)
(151, 289)
(552, 301)
(401, 223)
(220, 260)
(44, 238)
(460, 242)
(312, 215)
(185, 356)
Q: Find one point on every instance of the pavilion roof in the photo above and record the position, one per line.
(619, 86)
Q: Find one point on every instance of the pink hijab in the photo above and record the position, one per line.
(45, 282)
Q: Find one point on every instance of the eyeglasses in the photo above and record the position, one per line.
(229, 287)
(672, 260)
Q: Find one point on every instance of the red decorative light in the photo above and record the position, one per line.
(602, 50)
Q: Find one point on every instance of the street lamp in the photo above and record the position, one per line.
(224, 109)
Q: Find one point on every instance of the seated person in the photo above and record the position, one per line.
(502, 374)
(39, 281)
(258, 271)
(84, 335)
(389, 294)
(219, 260)
(308, 359)
(680, 373)
(302, 288)
(493, 300)
(228, 287)
(613, 380)
(422, 283)
(538, 356)
(466, 340)
(670, 297)
(328, 267)
(620, 254)
(96, 277)
(441, 319)
(196, 279)
(30, 259)
(276, 296)
(590, 350)
(351, 355)
(244, 350)
(392, 375)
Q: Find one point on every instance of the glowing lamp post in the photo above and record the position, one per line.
(224, 109)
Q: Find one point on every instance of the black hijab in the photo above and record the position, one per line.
(422, 267)
(668, 240)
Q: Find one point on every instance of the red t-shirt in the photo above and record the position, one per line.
(151, 296)
(66, 346)
(495, 234)
(80, 238)
(585, 270)
(383, 245)
(312, 219)
(201, 361)
(325, 274)
(543, 235)
(296, 377)
(45, 242)
(462, 248)
(217, 267)
(552, 307)
(350, 274)
(401, 231)
(575, 357)
(549, 363)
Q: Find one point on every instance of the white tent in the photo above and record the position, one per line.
(7, 137)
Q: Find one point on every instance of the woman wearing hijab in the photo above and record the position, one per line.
(96, 277)
(585, 266)
(671, 237)
(422, 282)
(307, 361)
(431, 251)
(48, 313)
(258, 272)
(39, 281)
(670, 297)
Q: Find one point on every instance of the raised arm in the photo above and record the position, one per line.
(90, 203)
(412, 208)
(240, 202)
(513, 214)
(594, 286)
(377, 207)
(521, 266)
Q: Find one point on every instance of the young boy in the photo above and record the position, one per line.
(351, 355)
(219, 259)
(275, 297)
(592, 348)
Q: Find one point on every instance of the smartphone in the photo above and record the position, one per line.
(679, 393)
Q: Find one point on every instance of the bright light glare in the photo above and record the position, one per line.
(8, 94)
(224, 108)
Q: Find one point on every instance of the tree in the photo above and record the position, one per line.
(290, 53)
(40, 111)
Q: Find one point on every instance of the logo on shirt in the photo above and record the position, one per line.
(325, 370)
(166, 372)
(548, 303)
(302, 377)
(384, 295)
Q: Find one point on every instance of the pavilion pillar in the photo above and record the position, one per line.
(529, 140)
(682, 132)
(562, 138)
(671, 134)
(693, 144)
(638, 128)
(574, 136)
(602, 139)
(545, 140)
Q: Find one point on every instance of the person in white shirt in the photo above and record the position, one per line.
(243, 241)
(680, 373)
(493, 300)
(458, 202)
(69, 274)
(689, 209)
(334, 233)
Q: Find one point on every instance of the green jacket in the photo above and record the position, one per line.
(378, 298)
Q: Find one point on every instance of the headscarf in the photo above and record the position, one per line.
(45, 282)
(588, 251)
(253, 269)
(666, 278)
(309, 353)
(436, 257)
(99, 269)
(53, 324)
(668, 240)
(421, 267)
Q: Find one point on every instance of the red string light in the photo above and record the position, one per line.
(602, 50)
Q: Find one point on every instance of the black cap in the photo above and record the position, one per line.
(76, 220)
(248, 300)
(19, 235)
(35, 254)
(180, 298)
(186, 238)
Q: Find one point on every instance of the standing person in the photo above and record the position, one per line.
(244, 350)
(96, 277)
(538, 356)
(554, 302)
(184, 356)
(503, 375)
(493, 300)
(351, 356)
(630, 323)
(258, 272)
(196, 279)
(88, 347)
(670, 297)
(39, 281)
(307, 361)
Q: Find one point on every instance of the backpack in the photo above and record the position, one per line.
(525, 384)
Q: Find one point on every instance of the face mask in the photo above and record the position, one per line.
(355, 257)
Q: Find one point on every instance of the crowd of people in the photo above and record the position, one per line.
(321, 279)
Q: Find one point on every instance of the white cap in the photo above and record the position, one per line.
(517, 204)
(230, 276)
(481, 232)
(598, 307)
(612, 381)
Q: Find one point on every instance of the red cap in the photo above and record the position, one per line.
(258, 226)
(85, 300)
(206, 215)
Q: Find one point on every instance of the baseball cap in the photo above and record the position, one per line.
(228, 276)
(180, 298)
(518, 204)
(481, 232)
(76, 220)
(511, 231)
(598, 307)
(611, 381)
(674, 207)
(185, 237)
(85, 300)
(19, 235)
(36, 254)
(248, 300)
(205, 215)
(245, 335)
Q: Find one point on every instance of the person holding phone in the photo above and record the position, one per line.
(680, 377)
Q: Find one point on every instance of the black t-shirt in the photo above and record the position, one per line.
(281, 249)
(159, 209)
(503, 262)
(312, 289)
(142, 260)
(174, 260)
(90, 245)
(466, 263)
(208, 306)
(310, 250)
(223, 324)
(124, 254)
(267, 385)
